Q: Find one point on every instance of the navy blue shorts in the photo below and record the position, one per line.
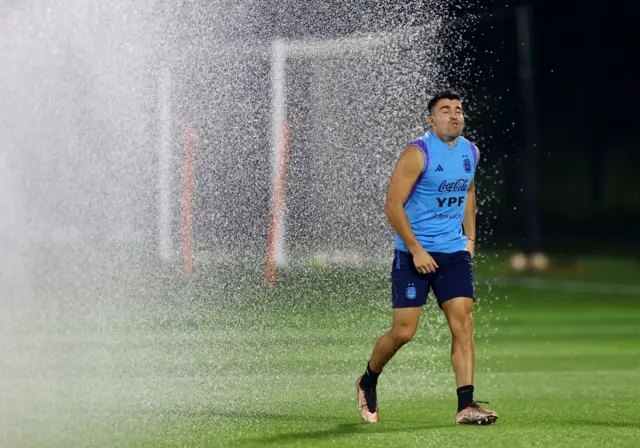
(452, 279)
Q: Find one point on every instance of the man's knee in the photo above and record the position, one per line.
(402, 335)
(463, 329)
(405, 323)
(459, 314)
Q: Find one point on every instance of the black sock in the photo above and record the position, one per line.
(465, 397)
(369, 379)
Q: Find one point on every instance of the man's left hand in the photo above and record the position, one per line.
(471, 247)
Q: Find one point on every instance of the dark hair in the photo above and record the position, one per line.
(448, 94)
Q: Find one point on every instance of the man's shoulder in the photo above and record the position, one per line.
(419, 141)
(471, 145)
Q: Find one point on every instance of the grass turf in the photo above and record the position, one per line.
(277, 368)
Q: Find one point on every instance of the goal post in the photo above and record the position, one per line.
(187, 201)
(165, 246)
(275, 253)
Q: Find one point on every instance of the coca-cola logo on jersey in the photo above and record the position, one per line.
(458, 185)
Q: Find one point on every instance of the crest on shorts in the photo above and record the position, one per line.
(411, 292)
(467, 164)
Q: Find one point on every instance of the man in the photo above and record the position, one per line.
(431, 199)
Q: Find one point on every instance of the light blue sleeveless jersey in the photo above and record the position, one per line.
(435, 206)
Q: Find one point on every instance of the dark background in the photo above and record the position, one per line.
(585, 139)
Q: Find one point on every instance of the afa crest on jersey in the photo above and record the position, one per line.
(467, 164)
(411, 292)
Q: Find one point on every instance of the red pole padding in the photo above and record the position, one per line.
(187, 203)
(277, 207)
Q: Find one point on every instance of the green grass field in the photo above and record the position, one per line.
(250, 367)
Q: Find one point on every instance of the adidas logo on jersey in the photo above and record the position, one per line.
(439, 168)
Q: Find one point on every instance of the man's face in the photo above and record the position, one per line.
(447, 119)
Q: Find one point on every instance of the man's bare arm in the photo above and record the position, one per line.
(469, 220)
(405, 175)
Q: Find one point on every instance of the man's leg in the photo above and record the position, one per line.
(454, 290)
(405, 322)
(458, 312)
(409, 292)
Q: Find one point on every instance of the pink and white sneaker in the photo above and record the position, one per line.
(367, 403)
(475, 415)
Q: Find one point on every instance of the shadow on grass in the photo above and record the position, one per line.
(340, 430)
